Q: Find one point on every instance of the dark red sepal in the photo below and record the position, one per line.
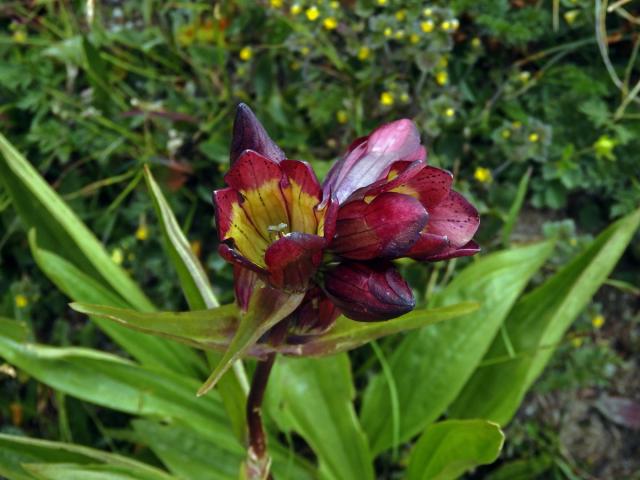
(293, 259)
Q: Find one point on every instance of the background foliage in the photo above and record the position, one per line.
(531, 104)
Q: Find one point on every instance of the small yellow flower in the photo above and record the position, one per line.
(455, 24)
(598, 321)
(330, 23)
(534, 137)
(245, 54)
(476, 42)
(142, 233)
(401, 15)
(450, 112)
(276, 3)
(427, 26)
(399, 35)
(446, 25)
(386, 98)
(388, 32)
(576, 342)
(517, 125)
(570, 16)
(334, 5)
(312, 13)
(364, 53)
(604, 147)
(305, 51)
(196, 247)
(414, 38)
(427, 12)
(505, 134)
(524, 76)
(21, 301)
(573, 242)
(342, 116)
(483, 175)
(19, 36)
(442, 78)
(404, 97)
(382, 3)
(295, 9)
(117, 256)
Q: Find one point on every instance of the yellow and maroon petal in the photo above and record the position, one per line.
(387, 227)
(234, 224)
(259, 181)
(302, 193)
(430, 185)
(369, 292)
(249, 134)
(454, 218)
(293, 259)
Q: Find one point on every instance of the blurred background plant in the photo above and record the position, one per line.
(512, 96)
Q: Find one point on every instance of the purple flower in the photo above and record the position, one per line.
(336, 241)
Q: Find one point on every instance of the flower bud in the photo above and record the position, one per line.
(369, 292)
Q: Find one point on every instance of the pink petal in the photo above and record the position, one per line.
(293, 259)
(454, 218)
(387, 227)
(370, 159)
(369, 292)
(249, 134)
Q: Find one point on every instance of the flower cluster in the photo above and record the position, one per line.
(336, 242)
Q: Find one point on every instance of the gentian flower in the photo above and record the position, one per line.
(336, 242)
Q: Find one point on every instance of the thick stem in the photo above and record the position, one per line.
(257, 439)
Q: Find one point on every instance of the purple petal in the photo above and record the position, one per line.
(387, 227)
(369, 292)
(249, 134)
(293, 259)
(454, 218)
(370, 159)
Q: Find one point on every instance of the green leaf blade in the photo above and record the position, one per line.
(448, 449)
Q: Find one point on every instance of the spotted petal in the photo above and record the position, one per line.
(454, 218)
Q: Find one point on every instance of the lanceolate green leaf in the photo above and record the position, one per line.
(193, 279)
(538, 322)
(431, 366)
(80, 286)
(115, 383)
(233, 386)
(314, 397)
(201, 328)
(59, 229)
(267, 308)
(448, 449)
(75, 471)
(347, 334)
(15, 452)
(215, 328)
(189, 454)
(13, 329)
